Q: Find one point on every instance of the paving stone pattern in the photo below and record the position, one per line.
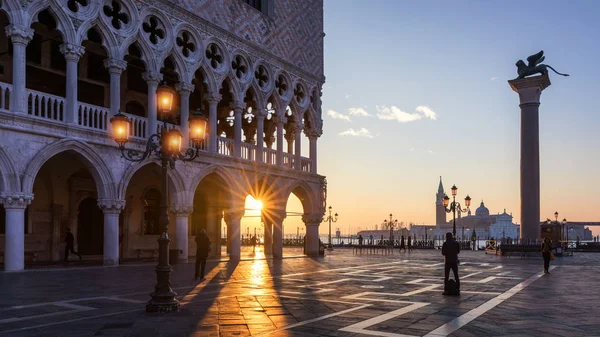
(342, 294)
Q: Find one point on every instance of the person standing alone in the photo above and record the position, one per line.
(202, 249)
(70, 247)
(450, 250)
(546, 253)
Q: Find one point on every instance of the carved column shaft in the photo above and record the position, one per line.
(185, 89)
(20, 36)
(182, 214)
(213, 101)
(14, 246)
(72, 55)
(112, 209)
(115, 68)
(152, 79)
(260, 134)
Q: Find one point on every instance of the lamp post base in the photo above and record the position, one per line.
(163, 297)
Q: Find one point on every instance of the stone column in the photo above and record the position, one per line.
(290, 136)
(279, 139)
(72, 55)
(234, 219)
(238, 108)
(111, 209)
(115, 68)
(260, 138)
(185, 89)
(529, 90)
(182, 214)
(152, 78)
(14, 245)
(313, 137)
(298, 150)
(20, 36)
(268, 240)
(277, 221)
(213, 101)
(312, 222)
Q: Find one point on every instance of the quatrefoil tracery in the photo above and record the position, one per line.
(281, 85)
(261, 75)
(186, 44)
(117, 17)
(74, 5)
(299, 93)
(239, 66)
(152, 27)
(213, 53)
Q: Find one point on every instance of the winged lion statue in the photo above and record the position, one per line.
(534, 66)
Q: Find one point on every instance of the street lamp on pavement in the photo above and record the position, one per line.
(330, 219)
(166, 147)
(391, 224)
(455, 206)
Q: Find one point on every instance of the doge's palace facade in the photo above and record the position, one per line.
(254, 67)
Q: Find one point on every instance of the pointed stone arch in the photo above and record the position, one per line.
(12, 11)
(64, 25)
(88, 155)
(209, 78)
(109, 42)
(178, 196)
(304, 192)
(220, 171)
(9, 179)
(234, 87)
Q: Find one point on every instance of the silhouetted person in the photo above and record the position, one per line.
(402, 246)
(202, 249)
(253, 240)
(360, 240)
(546, 251)
(70, 247)
(409, 244)
(450, 250)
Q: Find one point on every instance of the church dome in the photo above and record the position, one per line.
(482, 210)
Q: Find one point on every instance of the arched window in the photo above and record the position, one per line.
(151, 204)
(135, 108)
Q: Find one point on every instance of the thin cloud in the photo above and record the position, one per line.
(336, 115)
(347, 96)
(358, 112)
(493, 78)
(428, 113)
(395, 113)
(357, 133)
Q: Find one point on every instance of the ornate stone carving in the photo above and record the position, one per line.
(312, 219)
(185, 87)
(111, 206)
(213, 98)
(152, 77)
(115, 66)
(16, 201)
(72, 52)
(187, 44)
(233, 216)
(181, 210)
(19, 34)
(237, 107)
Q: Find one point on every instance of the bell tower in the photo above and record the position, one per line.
(440, 211)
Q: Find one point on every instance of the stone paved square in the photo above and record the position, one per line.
(342, 294)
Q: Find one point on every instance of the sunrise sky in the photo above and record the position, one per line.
(417, 89)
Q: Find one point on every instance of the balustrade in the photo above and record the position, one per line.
(225, 146)
(305, 164)
(138, 126)
(248, 151)
(5, 92)
(45, 106)
(93, 117)
(288, 160)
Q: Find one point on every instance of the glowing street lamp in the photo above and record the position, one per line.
(166, 146)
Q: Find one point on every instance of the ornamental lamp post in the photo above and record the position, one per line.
(391, 224)
(165, 145)
(330, 219)
(455, 206)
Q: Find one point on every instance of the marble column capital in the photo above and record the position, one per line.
(312, 219)
(213, 98)
(16, 200)
(115, 66)
(72, 52)
(111, 206)
(237, 107)
(233, 216)
(19, 34)
(185, 88)
(152, 77)
(182, 210)
(530, 88)
(313, 134)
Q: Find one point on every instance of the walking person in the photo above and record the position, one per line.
(450, 250)
(70, 247)
(253, 241)
(546, 254)
(402, 246)
(360, 240)
(409, 244)
(202, 249)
